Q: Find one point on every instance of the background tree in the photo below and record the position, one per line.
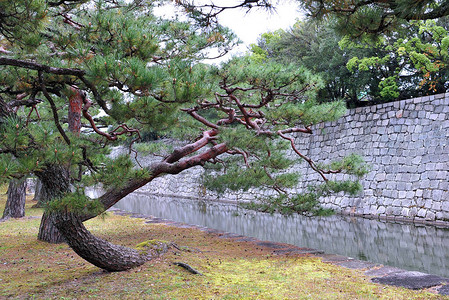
(414, 62)
(315, 45)
(410, 63)
(38, 197)
(136, 73)
(357, 18)
(15, 202)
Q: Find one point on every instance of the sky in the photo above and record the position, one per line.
(250, 25)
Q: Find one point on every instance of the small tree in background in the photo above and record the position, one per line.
(15, 202)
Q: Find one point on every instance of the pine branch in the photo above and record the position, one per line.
(191, 148)
(28, 102)
(4, 61)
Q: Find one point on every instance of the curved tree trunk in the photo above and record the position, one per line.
(55, 184)
(15, 204)
(101, 253)
(98, 252)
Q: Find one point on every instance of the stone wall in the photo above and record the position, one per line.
(406, 144)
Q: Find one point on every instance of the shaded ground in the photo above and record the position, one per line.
(234, 267)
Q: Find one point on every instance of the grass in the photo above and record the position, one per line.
(232, 270)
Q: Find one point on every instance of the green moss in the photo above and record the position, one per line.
(3, 189)
(150, 243)
(232, 270)
(154, 245)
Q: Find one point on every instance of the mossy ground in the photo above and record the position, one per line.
(232, 270)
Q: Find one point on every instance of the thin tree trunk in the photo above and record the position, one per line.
(39, 194)
(15, 204)
(37, 190)
(98, 252)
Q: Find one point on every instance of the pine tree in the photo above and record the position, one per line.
(135, 75)
(15, 203)
(357, 18)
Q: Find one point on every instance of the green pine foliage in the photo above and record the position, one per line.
(267, 165)
(414, 63)
(368, 18)
(148, 84)
(306, 202)
(76, 202)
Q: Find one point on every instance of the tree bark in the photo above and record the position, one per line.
(98, 252)
(5, 109)
(56, 179)
(55, 184)
(15, 204)
(48, 231)
(75, 110)
(38, 194)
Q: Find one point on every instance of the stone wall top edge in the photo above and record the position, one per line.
(395, 105)
(415, 100)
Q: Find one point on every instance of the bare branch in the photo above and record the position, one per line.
(246, 116)
(235, 151)
(199, 118)
(193, 147)
(306, 158)
(39, 67)
(87, 104)
(97, 95)
(31, 102)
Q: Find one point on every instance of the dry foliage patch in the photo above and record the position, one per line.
(232, 270)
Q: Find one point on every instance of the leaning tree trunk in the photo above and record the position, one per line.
(55, 184)
(98, 252)
(15, 204)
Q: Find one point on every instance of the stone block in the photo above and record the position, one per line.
(396, 211)
(381, 210)
(436, 206)
(402, 194)
(405, 212)
(416, 160)
(422, 212)
(396, 202)
(437, 195)
(445, 206)
(406, 202)
(430, 216)
(380, 176)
